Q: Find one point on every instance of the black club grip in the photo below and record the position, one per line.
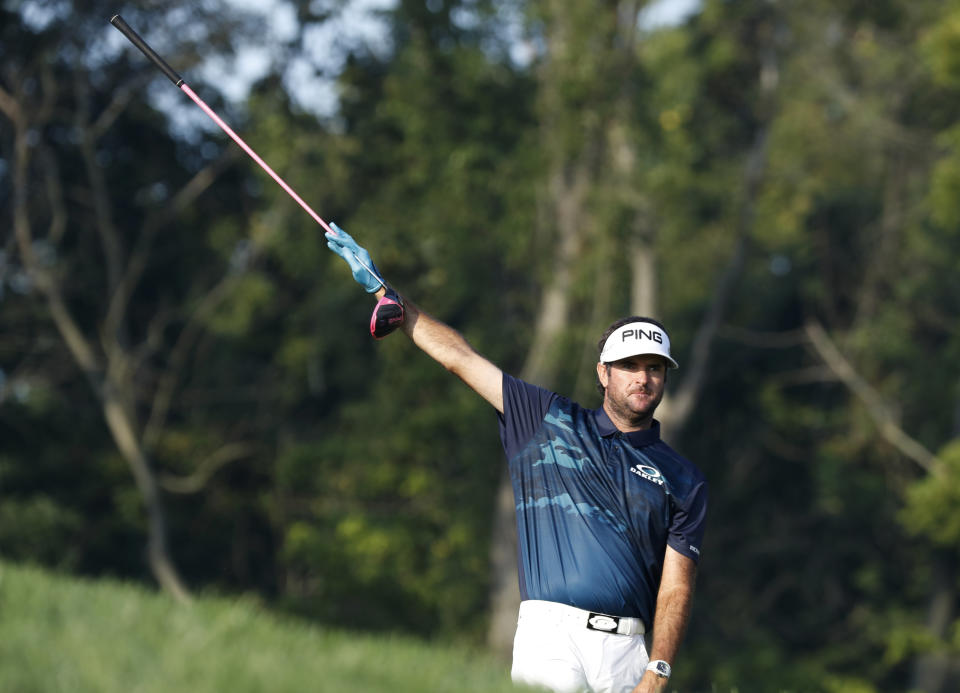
(135, 39)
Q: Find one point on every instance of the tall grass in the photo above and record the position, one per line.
(64, 634)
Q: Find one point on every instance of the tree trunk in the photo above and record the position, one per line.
(936, 671)
(939, 672)
(572, 150)
(566, 199)
(158, 555)
(643, 286)
(574, 134)
(504, 584)
(932, 671)
(675, 411)
(105, 372)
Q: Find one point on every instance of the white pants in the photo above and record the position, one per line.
(554, 648)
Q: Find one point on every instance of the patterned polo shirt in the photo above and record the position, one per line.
(596, 508)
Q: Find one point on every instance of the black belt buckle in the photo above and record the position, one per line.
(603, 622)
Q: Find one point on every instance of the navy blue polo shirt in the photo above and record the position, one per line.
(596, 508)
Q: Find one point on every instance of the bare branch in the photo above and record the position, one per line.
(679, 407)
(206, 469)
(763, 340)
(99, 191)
(58, 209)
(804, 376)
(51, 91)
(10, 107)
(152, 343)
(139, 257)
(76, 342)
(121, 99)
(112, 386)
(876, 407)
(123, 430)
(178, 359)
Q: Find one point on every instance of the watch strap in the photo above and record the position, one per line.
(660, 668)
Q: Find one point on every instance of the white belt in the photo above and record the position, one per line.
(571, 615)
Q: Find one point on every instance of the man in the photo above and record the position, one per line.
(610, 518)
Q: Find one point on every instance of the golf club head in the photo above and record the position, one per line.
(387, 315)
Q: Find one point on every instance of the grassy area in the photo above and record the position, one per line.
(64, 634)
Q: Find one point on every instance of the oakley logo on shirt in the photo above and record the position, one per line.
(648, 473)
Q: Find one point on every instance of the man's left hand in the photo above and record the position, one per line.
(651, 683)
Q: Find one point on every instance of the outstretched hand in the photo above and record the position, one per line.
(364, 271)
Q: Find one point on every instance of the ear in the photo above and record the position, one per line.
(602, 374)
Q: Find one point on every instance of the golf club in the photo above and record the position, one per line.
(385, 324)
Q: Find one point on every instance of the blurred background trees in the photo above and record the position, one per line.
(188, 394)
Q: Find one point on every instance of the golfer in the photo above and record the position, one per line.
(610, 518)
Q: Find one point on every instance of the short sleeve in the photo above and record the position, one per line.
(689, 521)
(524, 406)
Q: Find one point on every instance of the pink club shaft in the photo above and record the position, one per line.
(253, 155)
(171, 74)
(266, 167)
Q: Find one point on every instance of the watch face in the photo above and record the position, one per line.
(661, 669)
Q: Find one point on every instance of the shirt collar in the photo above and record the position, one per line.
(637, 439)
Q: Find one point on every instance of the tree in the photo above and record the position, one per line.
(95, 221)
(617, 110)
(384, 493)
(840, 414)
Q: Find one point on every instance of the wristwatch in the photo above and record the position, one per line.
(660, 668)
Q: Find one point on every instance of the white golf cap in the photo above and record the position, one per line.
(636, 339)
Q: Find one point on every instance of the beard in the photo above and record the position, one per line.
(635, 406)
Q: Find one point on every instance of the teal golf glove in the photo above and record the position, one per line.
(364, 271)
(388, 314)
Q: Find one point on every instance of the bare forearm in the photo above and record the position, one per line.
(674, 603)
(449, 348)
(439, 341)
(670, 623)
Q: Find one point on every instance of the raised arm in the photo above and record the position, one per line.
(448, 347)
(438, 340)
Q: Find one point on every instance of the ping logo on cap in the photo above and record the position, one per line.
(640, 333)
(638, 338)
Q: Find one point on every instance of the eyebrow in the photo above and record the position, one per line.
(632, 361)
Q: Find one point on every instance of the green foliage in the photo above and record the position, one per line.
(380, 508)
(364, 489)
(398, 501)
(932, 502)
(59, 634)
(941, 47)
(238, 314)
(945, 182)
(37, 528)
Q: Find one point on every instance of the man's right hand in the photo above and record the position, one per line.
(364, 271)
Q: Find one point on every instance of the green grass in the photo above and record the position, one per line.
(64, 634)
